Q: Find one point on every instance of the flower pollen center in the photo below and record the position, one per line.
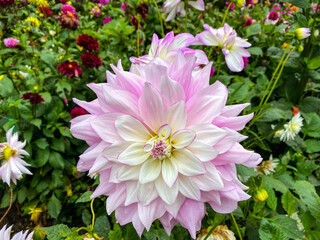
(8, 152)
(159, 150)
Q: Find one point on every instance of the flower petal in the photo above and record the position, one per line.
(171, 92)
(164, 131)
(104, 127)
(169, 172)
(189, 188)
(112, 153)
(149, 171)
(176, 116)
(167, 194)
(187, 163)
(182, 138)
(129, 173)
(133, 155)
(147, 193)
(130, 129)
(203, 151)
(208, 133)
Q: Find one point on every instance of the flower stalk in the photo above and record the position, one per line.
(234, 220)
(225, 15)
(10, 204)
(160, 18)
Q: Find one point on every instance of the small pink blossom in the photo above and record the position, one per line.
(96, 11)
(106, 20)
(231, 7)
(248, 22)
(68, 8)
(104, 2)
(123, 6)
(276, 6)
(11, 42)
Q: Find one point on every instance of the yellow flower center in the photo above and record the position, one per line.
(70, 14)
(70, 66)
(8, 153)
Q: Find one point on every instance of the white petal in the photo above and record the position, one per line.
(164, 131)
(147, 193)
(187, 163)
(130, 129)
(150, 170)
(208, 133)
(203, 151)
(176, 116)
(129, 173)
(167, 194)
(112, 153)
(169, 172)
(182, 138)
(131, 189)
(133, 155)
(189, 188)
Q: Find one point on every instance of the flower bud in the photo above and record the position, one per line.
(316, 33)
(300, 48)
(261, 195)
(240, 3)
(302, 33)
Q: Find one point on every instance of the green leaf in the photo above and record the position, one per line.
(58, 145)
(102, 226)
(271, 200)
(313, 145)
(36, 122)
(253, 29)
(65, 131)
(8, 62)
(298, 3)
(272, 114)
(116, 233)
(56, 160)
(86, 216)
(85, 197)
(313, 235)
(308, 195)
(42, 157)
(55, 232)
(288, 226)
(6, 87)
(255, 51)
(288, 203)
(312, 125)
(270, 231)
(275, 183)
(54, 207)
(310, 104)
(22, 194)
(156, 234)
(314, 63)
(307, 167)
(42, 143)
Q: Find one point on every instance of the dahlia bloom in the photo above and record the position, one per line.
(33, 97)
(168, 47)
(164, 144)
(248, 22)
(91, 60)
(68, 8)
(302, 33)
(104, 2)
(96, 11)
(177, 6)
(5, 234)
(45, 11)
(292, 128)
(11, 154)
(123, 6)
(70, 69)
(69, 20)
(11, 42)
(77, 111)
(233, 47)
(6, 3)
(88, 43)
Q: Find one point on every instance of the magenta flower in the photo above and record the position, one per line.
(106, 20)
(173, 7)
(231, 7)
(123, 6)
(104, 2)
(168, 47)
(276, 6)
(248, 22)
(11, 42)
(164, 144)
(233, 47)
(66, 8)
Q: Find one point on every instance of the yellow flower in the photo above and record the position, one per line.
(33, 21)
(1, 77)
(69, 2)
(42, 3)
(35, 214)
(35, 88)
(261, 195)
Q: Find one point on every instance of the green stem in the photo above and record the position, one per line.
(209, 233)
(219, 66)
(93, 215)
(186, 18)
(160, 18)
(225, 14)
(234, 220)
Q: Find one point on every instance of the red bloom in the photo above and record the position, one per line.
(6, 3)
(295, 110)
(87, 42)
(91, 60)
(142, 9)
(33, 97)
(70, 69)
(77, 111)
(63, 1)
(248, 22)
(45, 11)
(134, 21)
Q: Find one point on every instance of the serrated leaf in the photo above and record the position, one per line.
(270, 231)
(116, 233)
(54, 207)
(313, 145)
(307, 167)
(255, 51)
(271, 200)
(36, 122)
(42, 157)
(55, 232)
(288, 226)
(42, 143)
(56, 160)
(85, 197)
(102, 226)
(288, 203)
(314, 63)
(253, 29)
(275, 183)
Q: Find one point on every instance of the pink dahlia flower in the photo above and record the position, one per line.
(107, 20)
(5, 234)
(233, 47)
(168, 47)
(164, 143)
(11, 42)
(177, 6)
(66, 8)
(11, 154)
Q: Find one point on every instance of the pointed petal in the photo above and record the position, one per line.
(171, 92)
(187, 163)
(169, 172)
(147, 193)
(133, 155)
(104, 127)
(149, 171)
(203, 151)
(176, 116)
(189, 188)
(208, 133)
(167, 194)
(182, 138)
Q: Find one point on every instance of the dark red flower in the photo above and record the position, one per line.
(77, 111)
(45, 11)
(70, 69)
(69, 20)
(134, 21)
(91, 60)
(63, 1)
(273, 15)
(6, 3)
(33, 97)
(142, 9)
(87, 42)
(248, 22)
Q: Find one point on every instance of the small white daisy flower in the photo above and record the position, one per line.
(292, 128)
